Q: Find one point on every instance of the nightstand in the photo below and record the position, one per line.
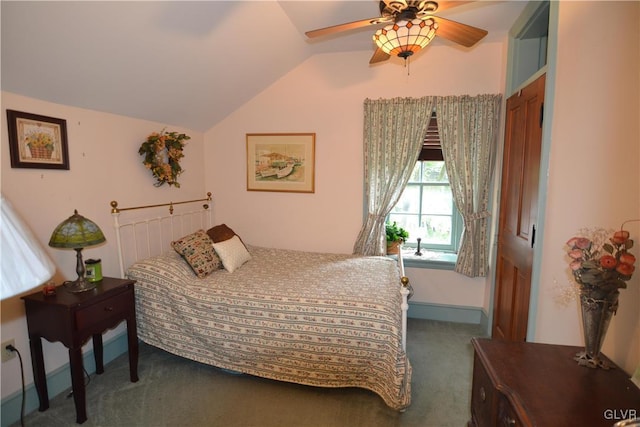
(73, 318)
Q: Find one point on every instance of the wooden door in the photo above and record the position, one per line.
(518, 212)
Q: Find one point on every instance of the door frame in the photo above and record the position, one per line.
(550, 70)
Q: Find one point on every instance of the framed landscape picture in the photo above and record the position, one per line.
(37, 141)
(281, 162)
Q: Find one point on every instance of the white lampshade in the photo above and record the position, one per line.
(25, 264)
(405, 37)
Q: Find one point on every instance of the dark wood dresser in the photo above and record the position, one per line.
(530, 384)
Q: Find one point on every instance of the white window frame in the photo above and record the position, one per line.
(457, 224)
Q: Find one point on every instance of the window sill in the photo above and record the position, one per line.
(429, 259)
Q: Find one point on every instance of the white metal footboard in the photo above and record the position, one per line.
(405, 291)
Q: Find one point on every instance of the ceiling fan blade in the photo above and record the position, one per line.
(344, 27)
(378, 56)
(463, 34)
(444, 5)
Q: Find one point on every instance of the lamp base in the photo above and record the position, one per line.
(79, 285)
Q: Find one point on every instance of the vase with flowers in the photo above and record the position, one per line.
(601, 265)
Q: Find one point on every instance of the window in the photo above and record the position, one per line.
(426, 208)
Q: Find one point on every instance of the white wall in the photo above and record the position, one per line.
(325, 95)
(593, 175)
(104, 166)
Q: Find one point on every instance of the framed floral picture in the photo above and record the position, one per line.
(281, 162)
(37, 141)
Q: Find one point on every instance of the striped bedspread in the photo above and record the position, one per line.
(317, 319)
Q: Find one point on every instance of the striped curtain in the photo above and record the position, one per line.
(468, 128)
(393, 133)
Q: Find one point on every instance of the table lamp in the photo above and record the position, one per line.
(25, 264)
(77, 232)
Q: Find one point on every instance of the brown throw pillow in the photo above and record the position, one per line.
(220, 233)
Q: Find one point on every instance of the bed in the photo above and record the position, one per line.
(319, 319)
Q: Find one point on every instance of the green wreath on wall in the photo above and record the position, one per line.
(162, 153)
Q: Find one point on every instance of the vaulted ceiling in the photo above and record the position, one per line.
(184, 63)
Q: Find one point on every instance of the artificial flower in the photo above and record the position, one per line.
(602, 263)
(162, 153)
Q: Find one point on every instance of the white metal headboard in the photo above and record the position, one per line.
(142, 238)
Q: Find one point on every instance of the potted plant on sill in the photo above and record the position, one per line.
(396, 235)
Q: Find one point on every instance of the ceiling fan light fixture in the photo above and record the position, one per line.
(405, 37)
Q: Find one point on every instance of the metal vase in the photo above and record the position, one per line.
(597, 311)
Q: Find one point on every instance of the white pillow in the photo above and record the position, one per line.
(232, 253)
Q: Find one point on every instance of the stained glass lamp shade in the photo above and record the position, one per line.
(77, 232)
(405, 37)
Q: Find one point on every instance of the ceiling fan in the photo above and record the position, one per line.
(410, 26)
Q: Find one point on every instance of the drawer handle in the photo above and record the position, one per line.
(483, 394)
(510, 421)
(108, 309)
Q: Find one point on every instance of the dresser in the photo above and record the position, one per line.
(532, 384)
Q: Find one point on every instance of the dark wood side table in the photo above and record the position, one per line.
(530, 384)
(74, 318)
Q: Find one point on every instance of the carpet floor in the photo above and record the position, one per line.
(173, 391)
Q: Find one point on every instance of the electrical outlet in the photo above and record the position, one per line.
(8, 354)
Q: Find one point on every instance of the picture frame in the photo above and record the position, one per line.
(281, 162)
(37, 141)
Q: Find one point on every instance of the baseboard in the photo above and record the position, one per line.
(447, 313)
(484, 323)
(58, 381)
